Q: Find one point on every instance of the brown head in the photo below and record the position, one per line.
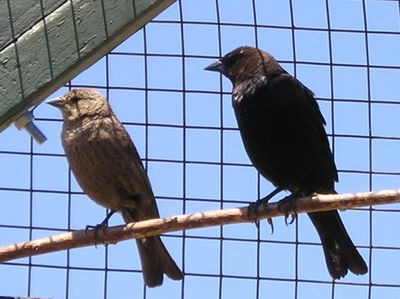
(80, 103)
(244, 62)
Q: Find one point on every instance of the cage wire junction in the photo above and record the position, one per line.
(181, 120)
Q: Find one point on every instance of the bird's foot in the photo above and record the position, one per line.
(101, 226)
(287, 205)
(260, 206)
(96, 228)
(255, 209)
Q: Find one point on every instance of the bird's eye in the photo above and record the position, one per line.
(74, 100)
(230, 61)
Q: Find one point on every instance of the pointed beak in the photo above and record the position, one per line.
(57, 102)
(215, 67)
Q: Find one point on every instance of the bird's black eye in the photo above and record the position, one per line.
(74, 100)
(229, 61)
(232, 58)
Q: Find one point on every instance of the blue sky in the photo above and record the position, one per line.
(181, 120)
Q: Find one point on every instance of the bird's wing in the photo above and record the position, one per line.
(132, 177)
(302, 102)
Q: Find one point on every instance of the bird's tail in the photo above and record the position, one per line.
(156, 261)
(154, 257)
(340, 253)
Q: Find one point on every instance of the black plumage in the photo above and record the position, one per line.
(283, 133)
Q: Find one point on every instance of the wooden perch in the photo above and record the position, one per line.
(152, 227)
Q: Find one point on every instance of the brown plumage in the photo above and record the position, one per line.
(108, 168)
(283, 133)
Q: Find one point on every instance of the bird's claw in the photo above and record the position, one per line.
(256, 208)
(103, 225)
(269, 220)
(292, 218)
(96, 228)
(288, 207)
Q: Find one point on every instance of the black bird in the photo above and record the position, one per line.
(283, 133)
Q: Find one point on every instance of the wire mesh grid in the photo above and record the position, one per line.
(182, 123)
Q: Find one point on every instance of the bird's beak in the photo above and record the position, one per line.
(215, 67)
(57, 102)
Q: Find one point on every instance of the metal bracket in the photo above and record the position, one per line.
(25, 121)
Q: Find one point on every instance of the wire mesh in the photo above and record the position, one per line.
(182, 123)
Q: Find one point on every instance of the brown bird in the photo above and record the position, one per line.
(283, 133)
(108, 168)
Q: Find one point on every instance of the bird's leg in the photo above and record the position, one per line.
(254, 208)
(287, 205)
(103, 225)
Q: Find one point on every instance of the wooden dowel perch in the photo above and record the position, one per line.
(141, 229)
